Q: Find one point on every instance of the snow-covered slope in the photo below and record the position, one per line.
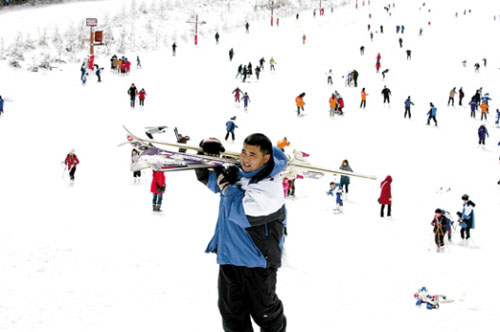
(93, 257)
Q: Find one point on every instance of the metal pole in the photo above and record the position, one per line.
(91, 41)
(196, 31)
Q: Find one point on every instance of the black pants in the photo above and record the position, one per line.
(433, 118)
(388, 210)
(249, 292)
(299, 108)
(345, 187)
(363, 104)
(482, 141)
(386, 98)
(484, 115)
(230, 132)
(72, 173)
(407, 111)
(141, 102)
(473, 114)
(465, 233)
(137, 174)
(460, 101)
(452, 101)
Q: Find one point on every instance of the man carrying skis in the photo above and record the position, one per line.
(249, 235)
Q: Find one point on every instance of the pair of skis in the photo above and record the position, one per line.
(167, 160)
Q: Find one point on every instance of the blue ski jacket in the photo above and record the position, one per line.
(230, 125)
(252, 217)
(432, 111)
(408, 103)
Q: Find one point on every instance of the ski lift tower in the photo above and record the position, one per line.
(196, 28)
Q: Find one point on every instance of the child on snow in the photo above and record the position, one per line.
(336, 191)
(440, 223)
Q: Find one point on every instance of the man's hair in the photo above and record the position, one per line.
(261, 141)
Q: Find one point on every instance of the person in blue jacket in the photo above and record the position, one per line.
(473, 107)
(432, 115)
(408, 104)
(1, 105)
(482, 132)
(466, 219)
(230, 127)
(249, 234)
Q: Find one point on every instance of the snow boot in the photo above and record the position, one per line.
(158, 208)
(154, 208)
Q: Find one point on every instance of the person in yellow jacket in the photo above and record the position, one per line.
(282, 143)
(333, 105)
(299, 100)
(484, 110)
(363, 98)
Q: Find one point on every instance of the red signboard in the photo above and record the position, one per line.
(91, 22)
(98, 36)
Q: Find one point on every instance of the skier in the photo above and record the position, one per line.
(257, 72)
(466, 219)
(344, 179)
(134, 160)
(249, 235)
(158, 188)
(362, 50)
(71, 161)
(461, 96)
(484, 111)
(1, 105)
(336, 191)
(401, 42)
(132, 91)
(237, 93)
(497, 122)
(231, 54)
(432, 115)
(299, 101)
(230, 127)
(138, 63)
(355, 76)
(333, 105)
(246, 100)
(114, 60)
(142, 96)
(174, 47)
(240, 71)
(482, 132)
(473, 107)
(408, 54)
(272, 62)
(182, 140)
(451, 99)
(217, 36)
(329, 79)
(385, 196)
(247, 27)
(98, 72)
(386, 93)
(408, 104)
(440, 223)
(282, 143)
(377, 66)
(303, 39)
(402, 29)
(363, 98)
(385, 71)
(83, 71)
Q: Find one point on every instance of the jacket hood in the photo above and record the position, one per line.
(276, 165)
(388, 179)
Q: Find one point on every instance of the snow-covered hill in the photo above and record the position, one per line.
(93, 257)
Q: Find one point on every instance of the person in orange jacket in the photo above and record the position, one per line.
(484, 110)
(303, 39)
(333, 104)
(299, 100)
(363, 98)
(282, 143)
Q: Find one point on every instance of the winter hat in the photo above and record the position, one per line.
(465, 197)
(72, 151)
(439, 211)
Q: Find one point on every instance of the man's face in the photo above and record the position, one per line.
(252, 158)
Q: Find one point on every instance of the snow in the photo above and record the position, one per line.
(92, 256)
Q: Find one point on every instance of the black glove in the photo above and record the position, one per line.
(227, 177)
(211, 146)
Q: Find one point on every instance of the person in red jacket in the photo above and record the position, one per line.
(158, 188)
(142, 96)
(385, 196)
(71, 161)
